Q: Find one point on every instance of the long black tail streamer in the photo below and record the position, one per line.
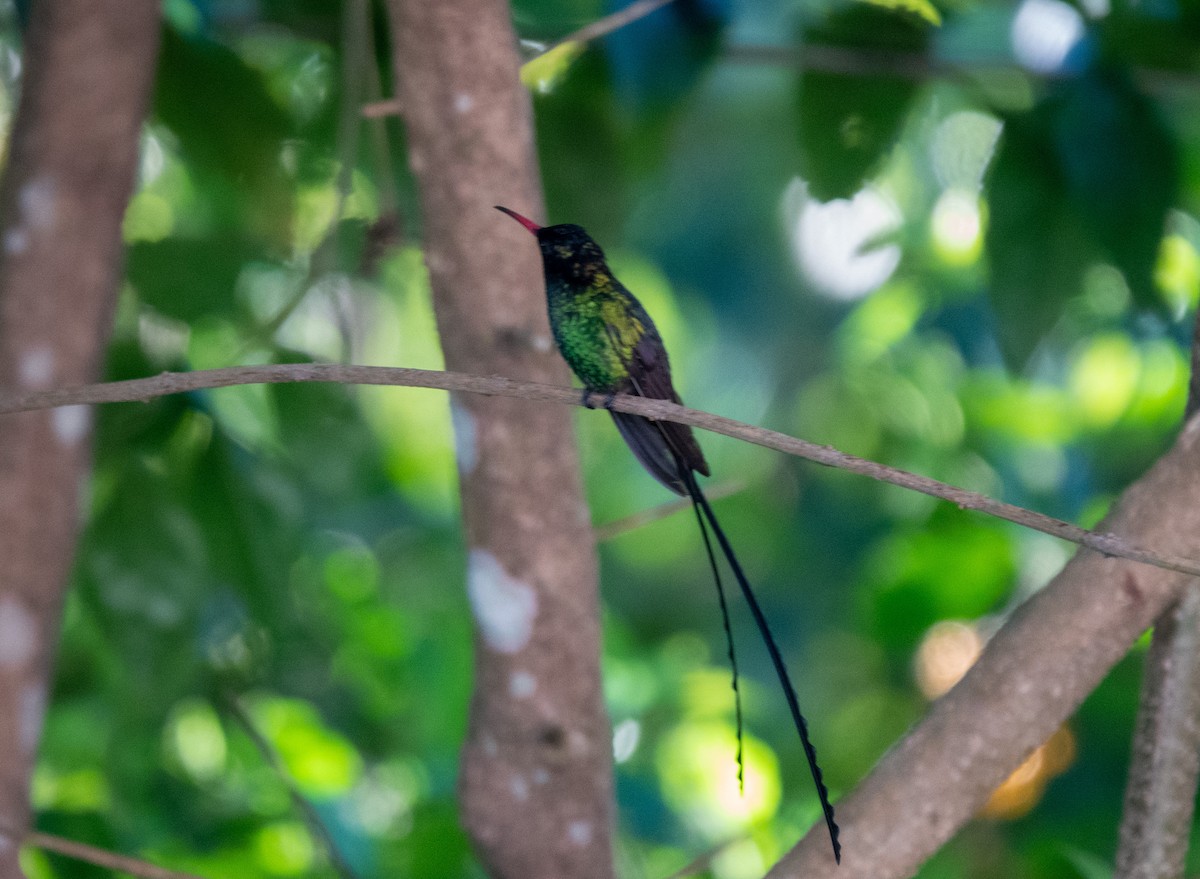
(700, 502)
(789, 691)
(737, 693)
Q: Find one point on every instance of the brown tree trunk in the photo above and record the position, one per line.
(536, 783)
(89, 66)
(1160, 796)
(1156, 822)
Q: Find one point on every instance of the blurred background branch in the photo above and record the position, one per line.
(102, 858)
(312, 818)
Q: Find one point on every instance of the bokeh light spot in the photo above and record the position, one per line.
(626, 736)
(1043, 34)
(1103, 378)
(839, 244)
(957, 227)
(699, 777)
(284, 848)
(195, 739)
(948, 649)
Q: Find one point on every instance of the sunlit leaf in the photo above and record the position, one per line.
(922, 8)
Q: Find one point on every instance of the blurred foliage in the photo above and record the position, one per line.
(960, 238)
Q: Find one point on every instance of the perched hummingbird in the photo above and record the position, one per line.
(612, 345)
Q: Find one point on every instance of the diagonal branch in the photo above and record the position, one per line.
(612, 530)
(141, 389)
(79, 851)
(1031, 677)
(312, 818)
(602, 27)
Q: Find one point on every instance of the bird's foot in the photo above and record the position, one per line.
(606, 403)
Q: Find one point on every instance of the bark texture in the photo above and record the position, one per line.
(535, 782)
(1032, 676)
(89, 65)
(1160, 795)
(1156, 822)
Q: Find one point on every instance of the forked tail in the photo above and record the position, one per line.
(789, 692)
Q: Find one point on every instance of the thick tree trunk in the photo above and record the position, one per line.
(536, 773)
(89, 65)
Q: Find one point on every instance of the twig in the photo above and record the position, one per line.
(614, 529)
(382, 108)
(918, 66)
(142, 389)
(307, 810)
(102, 857)
(602, 27)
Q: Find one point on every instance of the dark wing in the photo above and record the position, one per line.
(661, 446)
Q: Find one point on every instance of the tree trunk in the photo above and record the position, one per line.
(536, 783)
(89, 65)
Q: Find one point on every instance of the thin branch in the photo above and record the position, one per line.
(602, 27)
(142, 389)
(102, 857)
(847, 60)
(306, 809)
(382, 108)
(851, 61)
(918, 66)
(611, 530)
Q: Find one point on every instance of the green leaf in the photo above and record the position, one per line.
(230, 130)
(1121, 167)
(849, 123)
(1035, 244)
(189, 278)
(583, 101)
(1086, 176)
(922, 8)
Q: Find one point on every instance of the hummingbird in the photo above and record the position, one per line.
(611, 344)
